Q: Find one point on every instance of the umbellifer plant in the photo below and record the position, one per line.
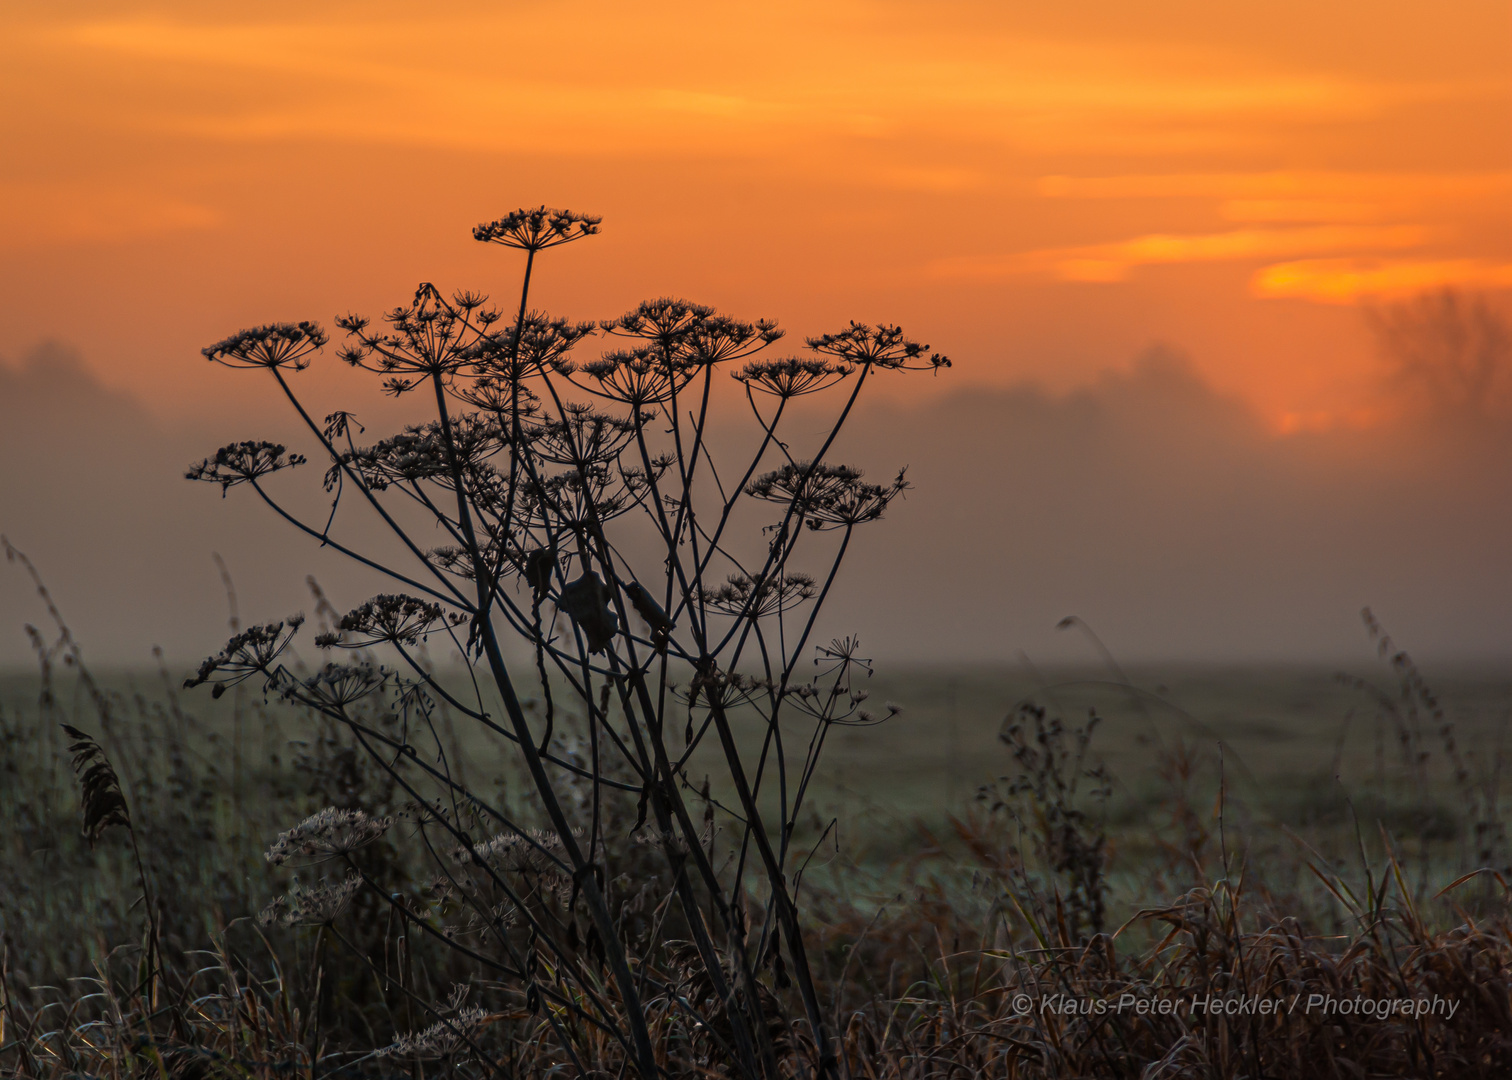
(586, 516)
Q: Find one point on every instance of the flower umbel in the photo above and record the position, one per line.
(335, 686)
(878, 346)
(326, 835)
(249, 652)
(432, 338)
(743, 596)
(533, 851)
(826, 496)
(388, 617)
(242, 463)
(318, 905)
(792, 377)
(272, 346)
(538, 229)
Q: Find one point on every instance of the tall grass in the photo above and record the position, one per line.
(982, 955)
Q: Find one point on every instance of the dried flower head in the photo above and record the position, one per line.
(275, 345)
(665, 320)
(249, 652)
(431, 338)
(744, 596)
(500, 395)
(482, 919)
(318, 905)
(720, 338)
(243, 462)
(867, 718)
(878, 346)
(584, 436)
(421, 452)
(335, 686)
(534, 851)
(826, 496)
(792, 377)
(725, 689)
(388, 617)
(538, 229)
(638, 377)
(537, 345)
(328, 834)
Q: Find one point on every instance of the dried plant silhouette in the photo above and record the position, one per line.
(589, 846)
(392, 951)
(545, 473)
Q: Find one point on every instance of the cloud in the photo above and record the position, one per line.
(696, 79)
(1113, 262)
(1281, 184)
(1328, 226)
(1293, 211)
(1349, 280)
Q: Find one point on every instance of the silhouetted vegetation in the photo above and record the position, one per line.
(588, 846)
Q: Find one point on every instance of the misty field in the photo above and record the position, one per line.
(1237, 796)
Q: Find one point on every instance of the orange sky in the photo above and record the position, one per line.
(1041, 190)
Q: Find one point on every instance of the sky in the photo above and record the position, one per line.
(1046, 192)
(1042, 190)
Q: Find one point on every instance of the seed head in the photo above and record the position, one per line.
(328, 834)
(533, 851)
(100, 790)
(335, 686)
(272, 346)
(744, 596)
(826, 496)
(388, 617)
(243, 462)
(878, 346)
(249, 652)
(319, 905)
(538, 229)
(792, 377)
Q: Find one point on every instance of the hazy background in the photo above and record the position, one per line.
(1166, 515)
(1148, 235)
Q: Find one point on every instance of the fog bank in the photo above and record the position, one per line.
(1164, 515)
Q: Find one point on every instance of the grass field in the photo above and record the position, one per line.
(1283, 783)
(1287, 734)
(1295, 747)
